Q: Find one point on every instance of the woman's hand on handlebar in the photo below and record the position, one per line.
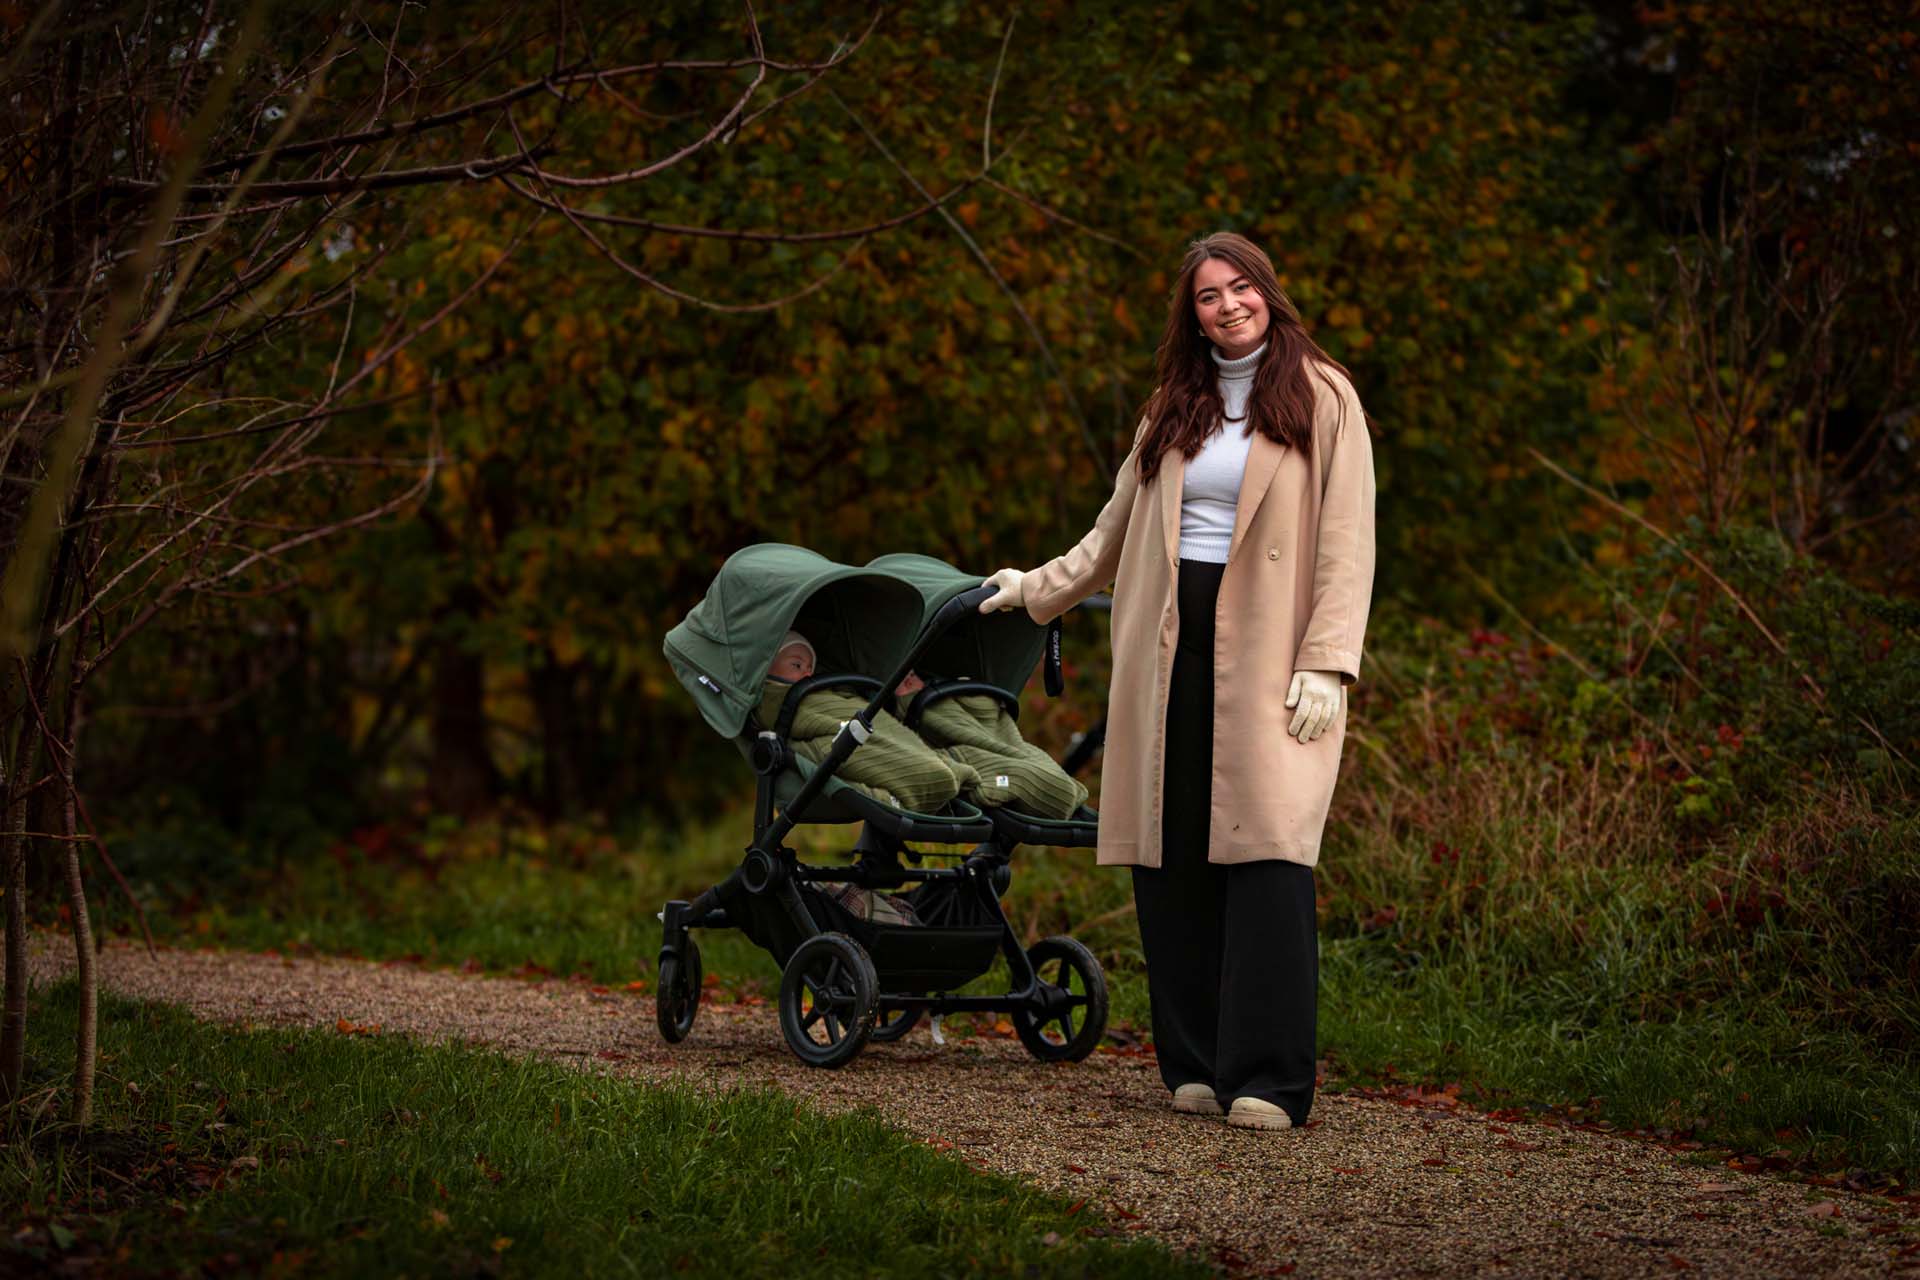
(1012, 593)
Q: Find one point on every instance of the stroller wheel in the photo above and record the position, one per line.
(827, 999)
(677, 997)
(893, 1024)
(1070, 1016)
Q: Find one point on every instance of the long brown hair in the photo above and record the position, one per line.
(1185, 408)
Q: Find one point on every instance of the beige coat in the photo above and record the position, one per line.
(1294, 596)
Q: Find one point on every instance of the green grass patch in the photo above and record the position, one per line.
(313, 1152)
(1535, 945)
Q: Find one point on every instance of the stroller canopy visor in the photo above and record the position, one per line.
(1000, 648)
(856, 621)
(863, 620)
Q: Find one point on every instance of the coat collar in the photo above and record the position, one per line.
(1263, 460)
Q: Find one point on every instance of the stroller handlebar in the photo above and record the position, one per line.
(973, 599)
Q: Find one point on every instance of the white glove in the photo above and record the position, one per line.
(1316, 697)
(1012, 591)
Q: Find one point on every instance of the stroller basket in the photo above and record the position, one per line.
(957, 941)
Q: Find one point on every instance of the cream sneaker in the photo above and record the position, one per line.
(1196, 1100)
(1253, 1113)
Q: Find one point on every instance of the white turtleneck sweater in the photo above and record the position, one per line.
(1211, 492)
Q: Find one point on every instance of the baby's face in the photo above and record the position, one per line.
(792, 663)
(910, 686)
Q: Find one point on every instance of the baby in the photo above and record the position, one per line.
(893, 766)
(972, 738)
(794, 661)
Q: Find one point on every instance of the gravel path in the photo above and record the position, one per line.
(1369, 1187)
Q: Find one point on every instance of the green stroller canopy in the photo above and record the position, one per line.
(862, 620)
(1000, 648)
(856, 621)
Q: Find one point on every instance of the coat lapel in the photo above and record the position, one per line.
(1263, 459)
(1173, 482)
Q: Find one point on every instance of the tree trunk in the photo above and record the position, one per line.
(555, 695)
(463, 778)
(85, 1043)
(13, 856)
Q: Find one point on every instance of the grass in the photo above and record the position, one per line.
(219, 1151)
(1587, 985)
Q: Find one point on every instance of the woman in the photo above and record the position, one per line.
(1239, 539)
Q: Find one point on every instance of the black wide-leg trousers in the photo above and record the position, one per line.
(1231, 951)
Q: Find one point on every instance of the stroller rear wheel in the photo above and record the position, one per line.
(893, 1024)
(828, 995)
(1070, 1015)
(676, 999)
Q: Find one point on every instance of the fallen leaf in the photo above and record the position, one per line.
(1825, 1209)
(1719, 1186)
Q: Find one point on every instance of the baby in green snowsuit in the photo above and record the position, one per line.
(968, 744)
(893, 765)
(976, 732)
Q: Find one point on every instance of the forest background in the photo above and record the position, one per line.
(347, 500)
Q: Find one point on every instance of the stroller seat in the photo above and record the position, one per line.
(839, 802)
(1078, 830)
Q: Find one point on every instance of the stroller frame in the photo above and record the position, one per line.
(771, 876)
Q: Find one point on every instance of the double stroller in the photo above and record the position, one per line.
(848, 979)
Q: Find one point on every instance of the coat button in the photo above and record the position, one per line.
(1273, 553)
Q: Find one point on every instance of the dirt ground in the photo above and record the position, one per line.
(1369, 1187)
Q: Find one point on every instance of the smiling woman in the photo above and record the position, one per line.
(1239, 539)
(1232, 314)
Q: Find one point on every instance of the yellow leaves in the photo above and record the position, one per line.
(532, 324)
(566, 645)
(1343, 315)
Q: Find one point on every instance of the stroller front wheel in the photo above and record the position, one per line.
(677, 997)
(1069, 1016)
(894, 1024)
(828, 995)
